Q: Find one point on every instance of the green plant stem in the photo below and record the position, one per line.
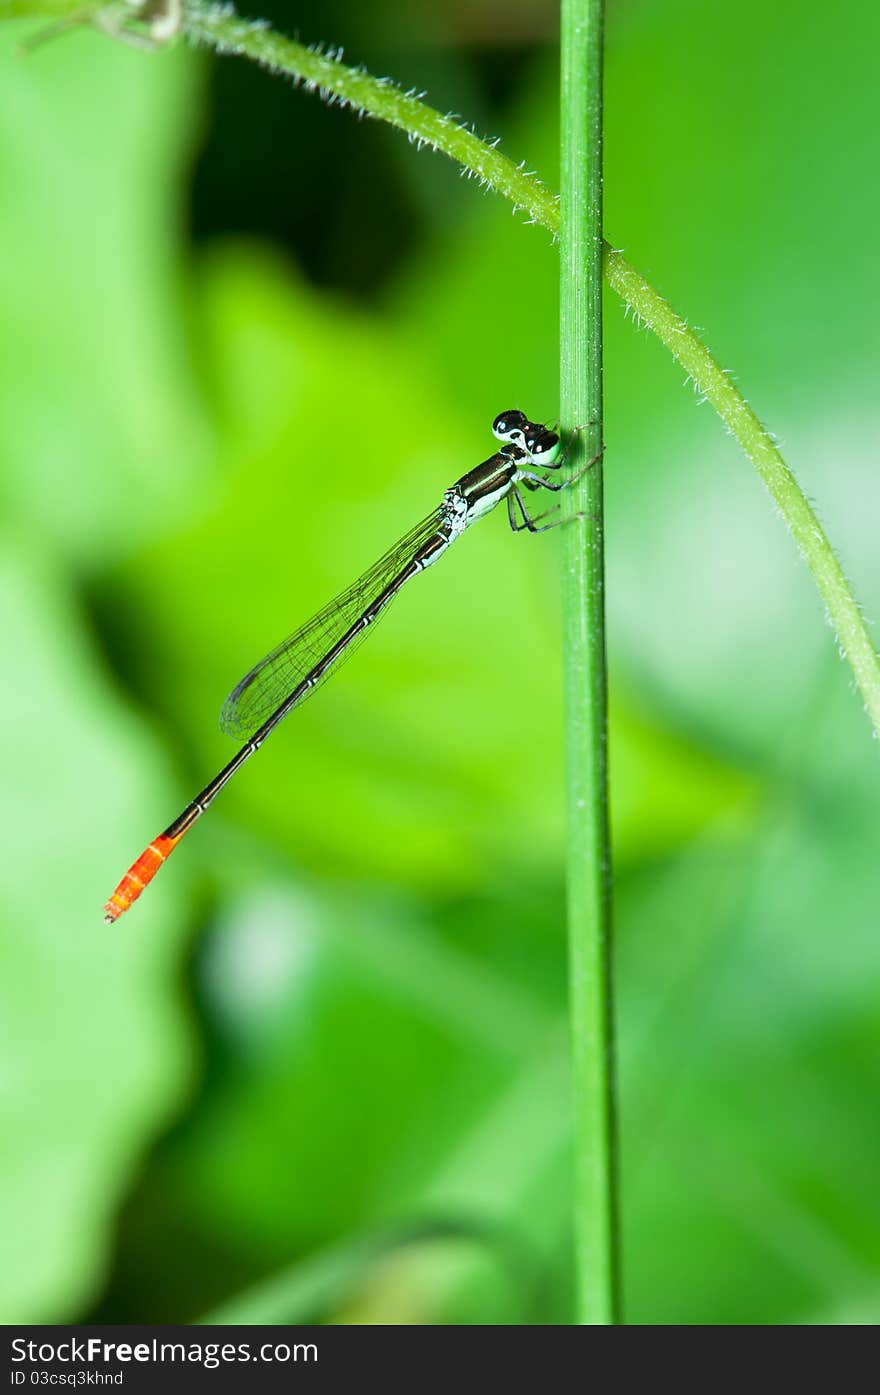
(586, 715)
(382, 100)
(715, 385)
(218, 27)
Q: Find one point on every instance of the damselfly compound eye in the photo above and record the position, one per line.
(508, 424)
(545, 443)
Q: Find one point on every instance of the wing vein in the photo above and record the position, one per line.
(271, 681)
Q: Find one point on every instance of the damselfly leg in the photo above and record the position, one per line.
(535, 525)
(534, 482)
(538, 482)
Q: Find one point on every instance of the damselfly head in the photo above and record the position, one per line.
(511, 426)
(540, 442)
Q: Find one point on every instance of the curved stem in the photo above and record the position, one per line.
(586, 704)
(379, 98)
(220, 28)
(325, 73)
(715, 385)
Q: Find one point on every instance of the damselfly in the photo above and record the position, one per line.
(293, 671)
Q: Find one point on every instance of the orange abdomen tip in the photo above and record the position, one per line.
(139, 875)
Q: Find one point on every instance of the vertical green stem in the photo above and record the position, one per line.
(589, 858)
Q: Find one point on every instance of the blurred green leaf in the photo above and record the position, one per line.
(96, 401)
(333, 1009)
(92, 1046)
(311, 1290)
(101, 429)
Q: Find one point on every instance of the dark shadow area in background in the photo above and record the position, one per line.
(276, 163)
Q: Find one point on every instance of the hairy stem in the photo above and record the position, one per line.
(221, 28)
(715, 385)
(218, 27)
(381, 99)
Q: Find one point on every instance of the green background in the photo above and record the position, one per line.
(319, 1072)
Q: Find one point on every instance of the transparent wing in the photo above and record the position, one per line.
(262, 691)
